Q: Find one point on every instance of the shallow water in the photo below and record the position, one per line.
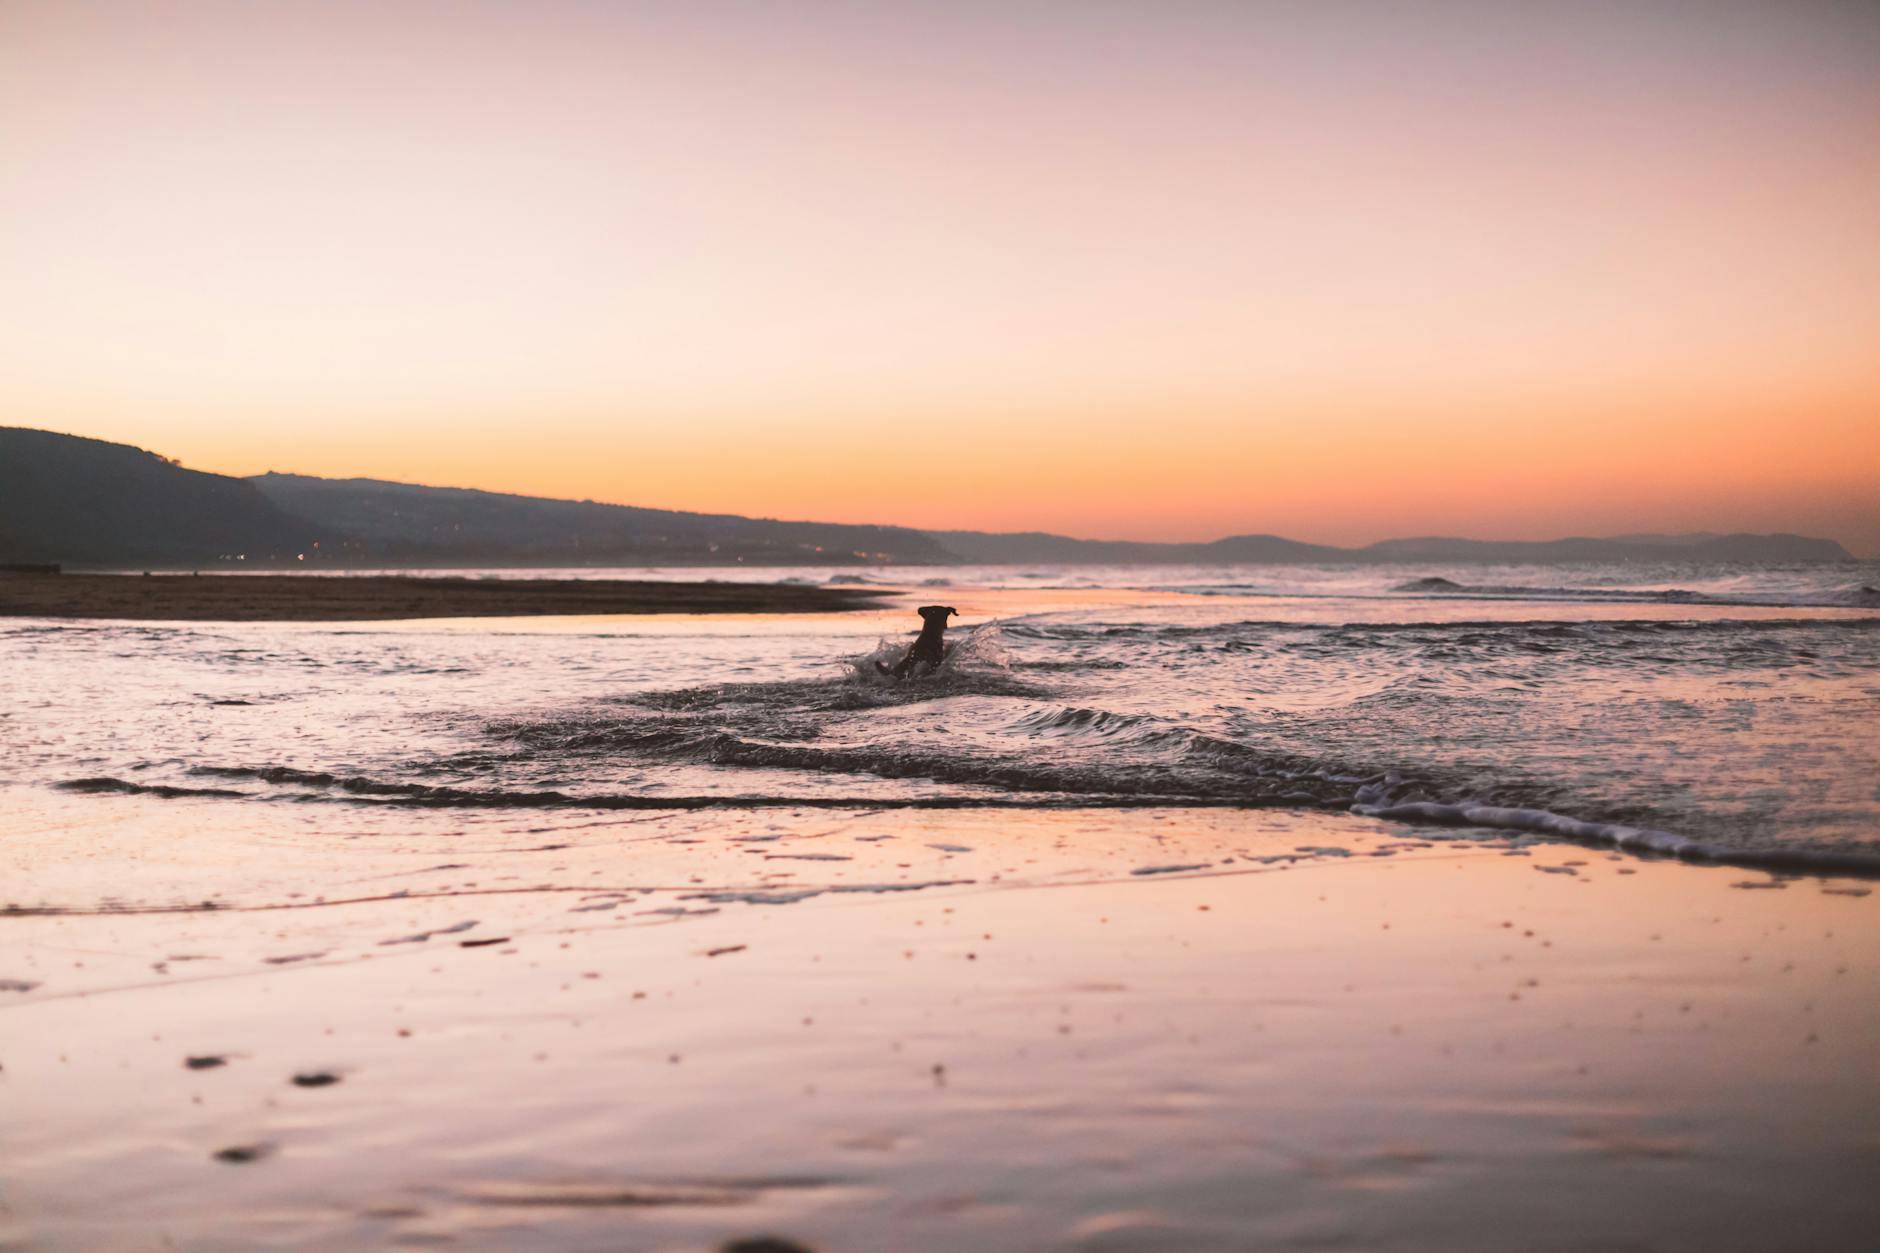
(1746, 727)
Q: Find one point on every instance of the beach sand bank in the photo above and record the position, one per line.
(1077, 1029)
(375, 598)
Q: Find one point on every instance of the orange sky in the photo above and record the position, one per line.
(1167, 270)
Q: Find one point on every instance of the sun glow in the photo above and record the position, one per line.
(1165, 272)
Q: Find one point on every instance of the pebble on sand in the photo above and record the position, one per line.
(315, 1079)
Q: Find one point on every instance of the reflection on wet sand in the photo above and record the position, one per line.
(1141, 1029)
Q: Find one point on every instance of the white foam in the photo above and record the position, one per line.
(1616, 835)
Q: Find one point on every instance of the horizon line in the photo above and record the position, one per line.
(1628, 537)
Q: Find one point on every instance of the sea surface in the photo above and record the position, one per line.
(1717, 712)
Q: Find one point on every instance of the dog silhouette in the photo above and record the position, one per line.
(930, 647)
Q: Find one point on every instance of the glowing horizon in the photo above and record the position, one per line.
(1161, 272)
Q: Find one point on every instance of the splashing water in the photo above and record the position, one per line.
(977, 650)
(1681, 727)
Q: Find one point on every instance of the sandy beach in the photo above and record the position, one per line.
(375, 598)
(1137, 1030)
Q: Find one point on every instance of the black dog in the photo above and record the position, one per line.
(930, 647)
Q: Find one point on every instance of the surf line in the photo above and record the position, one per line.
(1627, 839)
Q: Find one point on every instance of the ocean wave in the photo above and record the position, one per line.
(1627, 838)
(1285, 786)
(1589, 630)
(1596, 591)
(1473, 723)
(1438, 586)
(1190, 775)
(1087, 722)
(364, 791)
(104, 784)
(1852, 596)
(1098, 757)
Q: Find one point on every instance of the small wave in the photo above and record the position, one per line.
(1085, 722)
(1595, 591)
(1630, 839)
(104, 785)
(1521, 591)
(268, 774)
(867, 688)
(1590, 629)
(1259, 781)
(1858, 596)
(370, 792)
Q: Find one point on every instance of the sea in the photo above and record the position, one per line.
(1712, 712)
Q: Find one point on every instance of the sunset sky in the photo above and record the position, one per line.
(1159, 270)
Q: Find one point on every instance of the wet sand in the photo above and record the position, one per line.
(1151, 1030)
(377, 598)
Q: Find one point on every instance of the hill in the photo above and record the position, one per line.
(406, 524)
(87, 502)
(1036, 546)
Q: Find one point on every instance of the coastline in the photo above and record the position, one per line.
(666, 932)
(383, 598)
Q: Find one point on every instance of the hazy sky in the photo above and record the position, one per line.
(1155, 270)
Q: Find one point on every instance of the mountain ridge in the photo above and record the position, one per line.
(80, 501)
(89, 502)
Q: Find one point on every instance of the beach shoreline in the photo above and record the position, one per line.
(948, 1030)
(383, 598)
(672, 931)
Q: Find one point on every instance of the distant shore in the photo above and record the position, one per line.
(373, 598)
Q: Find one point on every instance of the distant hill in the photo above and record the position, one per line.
(411, 525)
(81, 501)
(1035, 546)
(88, 502)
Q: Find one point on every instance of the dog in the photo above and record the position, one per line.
(930, 647)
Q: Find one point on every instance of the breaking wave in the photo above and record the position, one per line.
(1678, 738)
(1853, 595)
